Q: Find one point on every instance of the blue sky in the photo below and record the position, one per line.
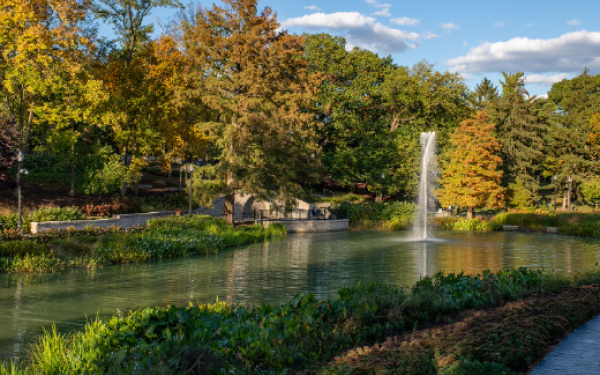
(548, 40)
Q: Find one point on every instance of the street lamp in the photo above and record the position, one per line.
(20, 170)
(382, 186)
(554, 193)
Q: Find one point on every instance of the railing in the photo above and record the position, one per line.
(294, 215)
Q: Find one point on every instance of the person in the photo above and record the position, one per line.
(314, 212)
(178, 212)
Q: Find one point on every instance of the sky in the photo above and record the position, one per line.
(548, 40)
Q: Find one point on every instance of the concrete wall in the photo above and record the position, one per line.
(77, 224)
(311, 225)
(132, 220)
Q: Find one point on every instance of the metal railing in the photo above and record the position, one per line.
(294, 215)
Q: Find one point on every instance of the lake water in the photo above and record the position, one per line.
(318, 263)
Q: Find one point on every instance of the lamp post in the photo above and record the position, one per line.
(569, 195)
(191, 169)
(554, 193)
(20, 158)
(382, 186)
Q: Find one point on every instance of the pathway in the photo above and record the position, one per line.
(578, 354)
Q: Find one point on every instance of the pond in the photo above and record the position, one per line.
(318, 263)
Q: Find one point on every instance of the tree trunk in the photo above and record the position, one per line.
(72, 191)
(124, 186)
(564, 202)
(27, 133)
(229, 203)
(469, 213)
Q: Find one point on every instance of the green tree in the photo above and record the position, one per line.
(570, 109)
(353, 134)
(254, 77)
(485, 93)
(471, 173)
(520, 133)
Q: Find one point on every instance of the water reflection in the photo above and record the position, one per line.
(271, 272)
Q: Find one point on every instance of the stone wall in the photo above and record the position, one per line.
(311, 225)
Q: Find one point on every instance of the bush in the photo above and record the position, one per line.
(40, 215)
(457, 223)
(392, 216)
(109, 179)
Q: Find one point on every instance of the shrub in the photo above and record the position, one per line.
(40, 215)
(108, 179)
(392, 216)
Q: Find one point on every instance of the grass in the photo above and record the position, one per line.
(94, 247)
(430, 328)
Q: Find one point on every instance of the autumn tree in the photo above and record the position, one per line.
(471, 175)
(124, 74)
(39, 44)
(252, 75)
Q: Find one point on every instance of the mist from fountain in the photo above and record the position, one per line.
(427, 179)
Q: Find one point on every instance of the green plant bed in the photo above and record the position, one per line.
(300, 334)
(94, 247)
(377, 216)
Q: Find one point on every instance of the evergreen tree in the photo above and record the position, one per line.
(254, 77)
(485, 93)
(471, 174)
(571, 107)
(520, 133)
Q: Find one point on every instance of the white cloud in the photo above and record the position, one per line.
(529, 24)
(545, 80)
(359, 30)
(499, 24)
(405, 21)
(429, 35)
(574, 22)
(542, 96)
(570, 52)
(449, 26)
(384, 12)
(314, 8)
(376, 4)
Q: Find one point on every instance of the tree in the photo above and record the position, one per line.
(572, 105)
(254, 77)
(124, 74)
(471, 175)
(40, 42)
(418, 100)
(7, 143)
(520, 133)
(485, 93)
(353, 134)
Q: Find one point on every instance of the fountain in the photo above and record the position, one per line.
(426, 200)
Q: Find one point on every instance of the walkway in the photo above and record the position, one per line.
(578, 354)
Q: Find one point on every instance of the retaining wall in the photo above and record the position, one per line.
(311, 225)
